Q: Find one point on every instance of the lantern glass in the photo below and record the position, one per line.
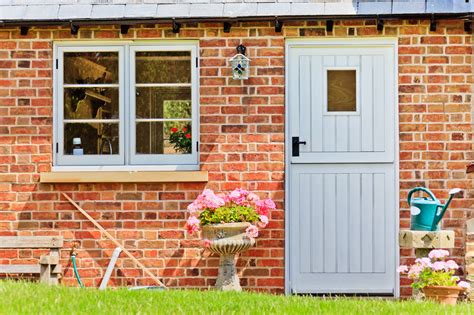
(240, 67)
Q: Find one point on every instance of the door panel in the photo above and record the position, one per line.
(364, 135)
(343, 227)
(342, 185)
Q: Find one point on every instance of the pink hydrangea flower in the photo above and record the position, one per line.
(192, 225)
(414, 271)
(206, 243)
(263, 221)
(263, 206)
(438, 265)
(437, 254)
(451, 265)
(239, 196)
(465, 285)
(206, 200)
(211, 200)
(253, 197)
(402, 269)
(193, 208)
(424, 262)
(251, 231)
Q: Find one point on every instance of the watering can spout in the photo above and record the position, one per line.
(439, 214)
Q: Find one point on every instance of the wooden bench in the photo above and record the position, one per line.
(48, 267)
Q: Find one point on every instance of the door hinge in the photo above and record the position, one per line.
(197, 146)
(197, 62)
(57, 64)
(57, 147)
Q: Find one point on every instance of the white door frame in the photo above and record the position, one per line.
(314, 42)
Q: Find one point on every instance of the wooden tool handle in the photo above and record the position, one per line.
(148, 272)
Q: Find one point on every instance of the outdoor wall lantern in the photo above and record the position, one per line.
(240, 64)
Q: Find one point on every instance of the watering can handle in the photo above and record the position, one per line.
(423, 189)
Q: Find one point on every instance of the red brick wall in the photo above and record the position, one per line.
(242, 145)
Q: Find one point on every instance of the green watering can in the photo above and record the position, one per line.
(426, 213)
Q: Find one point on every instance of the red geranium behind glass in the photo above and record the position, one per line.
(181, 139)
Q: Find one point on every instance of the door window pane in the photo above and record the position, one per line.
(91, 67)
(163, 67)
(164, 137)
(341, 91)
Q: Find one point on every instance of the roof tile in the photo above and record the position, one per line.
(41, 12)
(74, 11)
(173, 10)
(105, 11)
(13, 12)
(240, 9)
(203, 10)
(140, 10)
(307, 8)
(415, 6)
(266, 9)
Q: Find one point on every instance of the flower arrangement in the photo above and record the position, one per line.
(239, 205)
(434, 270)
(181, 139)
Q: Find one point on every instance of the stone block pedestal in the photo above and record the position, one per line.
(424, 241)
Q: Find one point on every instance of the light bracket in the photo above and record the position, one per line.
(278, 25)
(329, 26)
(176, 26)
(124, 29)
(227, 26)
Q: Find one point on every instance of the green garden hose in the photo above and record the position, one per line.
(76, 273)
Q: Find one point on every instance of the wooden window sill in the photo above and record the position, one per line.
(124, 177)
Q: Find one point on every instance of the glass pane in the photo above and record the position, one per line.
(163, 102)
(95, 138)
(163, 67)
(90, 67)
(169, 137)
(90, 103)
(341, 90)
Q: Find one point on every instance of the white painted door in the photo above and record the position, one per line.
(341, 183)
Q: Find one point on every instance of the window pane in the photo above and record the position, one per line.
(90, 103)
(169, 137)
(163, 67)
(90, 67)
(341, 90)
(163, 102)
(96, 138)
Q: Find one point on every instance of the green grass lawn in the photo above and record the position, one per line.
(31, 298)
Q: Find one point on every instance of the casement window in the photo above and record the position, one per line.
(128, 105)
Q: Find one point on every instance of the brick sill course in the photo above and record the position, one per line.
(124, 177)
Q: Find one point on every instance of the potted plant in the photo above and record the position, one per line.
(229, 224)
(181, 139)
(434, 276)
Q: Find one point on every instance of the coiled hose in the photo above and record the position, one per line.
(76, 273)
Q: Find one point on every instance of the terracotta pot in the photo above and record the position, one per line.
(227, 240)
(442, 294)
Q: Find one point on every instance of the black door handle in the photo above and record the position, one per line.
(295, 141)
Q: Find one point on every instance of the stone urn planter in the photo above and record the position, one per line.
(442, 294)
(227, 240)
